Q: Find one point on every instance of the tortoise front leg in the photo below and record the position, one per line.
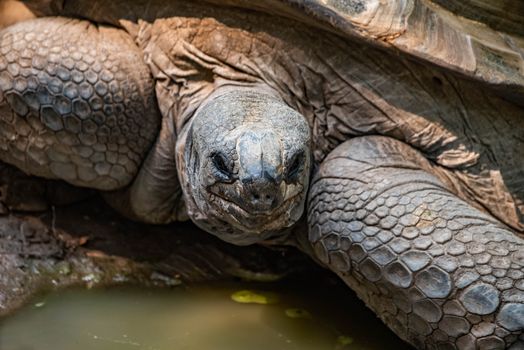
(76, 102)
(439, 272)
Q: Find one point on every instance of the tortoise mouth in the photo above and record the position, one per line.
(257, 223)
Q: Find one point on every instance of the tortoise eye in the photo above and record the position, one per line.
(222, 171)
(295, 167)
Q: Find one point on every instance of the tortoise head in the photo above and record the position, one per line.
(246, 166)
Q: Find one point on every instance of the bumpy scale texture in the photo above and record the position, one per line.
(76, 102)
(439, 272)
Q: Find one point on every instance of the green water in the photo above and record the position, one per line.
(211, 317)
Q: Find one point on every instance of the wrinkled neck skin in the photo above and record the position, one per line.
(244, 162)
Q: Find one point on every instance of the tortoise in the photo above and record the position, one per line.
(385, 139)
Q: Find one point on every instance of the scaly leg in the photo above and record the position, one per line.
(76, 102)
(440, 273)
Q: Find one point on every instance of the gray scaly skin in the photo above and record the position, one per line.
(247, 175)
(415, 253)
(79, 107)
(247, 114)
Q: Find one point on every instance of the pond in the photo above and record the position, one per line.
(228, 316)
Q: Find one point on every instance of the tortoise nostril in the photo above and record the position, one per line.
(261, 196)
(262, 199)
